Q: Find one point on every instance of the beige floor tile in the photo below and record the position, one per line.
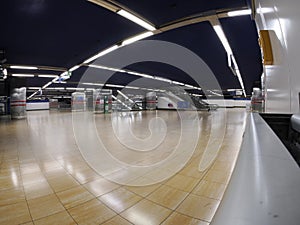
(74, 196)
(198, 207)
(210, 189)
(44, 206)
(12, 181)
(85, 176)
(61, 218)
(146, 212)
(120, 199)
(11, 196)
(14, 214)
(100, 186)
(43, 156)
(143, 190)
(179, 219)
(218, 176)
(168, 196)
(117, 220)
(33, 178)
(183, 183)
(192, 171)
(55, 173)
(30, 168)
(62, 183)
(50, 165)
(92, 212)
(29, 223)
(38, 189)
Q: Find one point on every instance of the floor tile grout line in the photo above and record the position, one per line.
(185, 198)
(27, 204)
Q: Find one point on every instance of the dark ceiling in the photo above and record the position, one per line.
(63, 33)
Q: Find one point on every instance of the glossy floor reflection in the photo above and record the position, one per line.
(45, 180)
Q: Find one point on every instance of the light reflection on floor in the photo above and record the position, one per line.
(44, 178)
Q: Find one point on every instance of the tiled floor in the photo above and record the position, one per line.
(45, 180)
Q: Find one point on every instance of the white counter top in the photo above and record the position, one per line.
(265, 186)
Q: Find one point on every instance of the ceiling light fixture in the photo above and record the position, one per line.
(74, 68)
(137, 38)
(189, 86)
(218, 29)
(108, 68)
(136, 20)
(163, 79)
(131, 87)
(243, 12)
(22, 75)
(93, 84)
(178, 83)
(24, 67)
(114, 85)
(47, 76)
(46, 85)
(34, 88)
(140, 74)
(104, 52)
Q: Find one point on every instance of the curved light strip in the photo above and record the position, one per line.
(136, 20)
(151, 28)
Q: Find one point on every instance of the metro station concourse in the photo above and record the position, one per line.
(149, 112)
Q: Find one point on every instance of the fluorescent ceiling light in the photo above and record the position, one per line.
(122, 94)
(241, 81)
(59, 82)
(178, 83)
(215, 93)
(114, 85)
(107, 68)
(140, 74)
(106, 51)
(46, 85)
(131, 87)
(137, 38)
(32, 95)
(34, 88)
(64, 74)
(239, 12)
(24, 67)
(163, 79)
(136, 20)
(47, 75)
(74, 68)
(22, 75)
(93, 84)
(189, 86)
(218, 29)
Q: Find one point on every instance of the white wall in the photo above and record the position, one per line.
(282, 78)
